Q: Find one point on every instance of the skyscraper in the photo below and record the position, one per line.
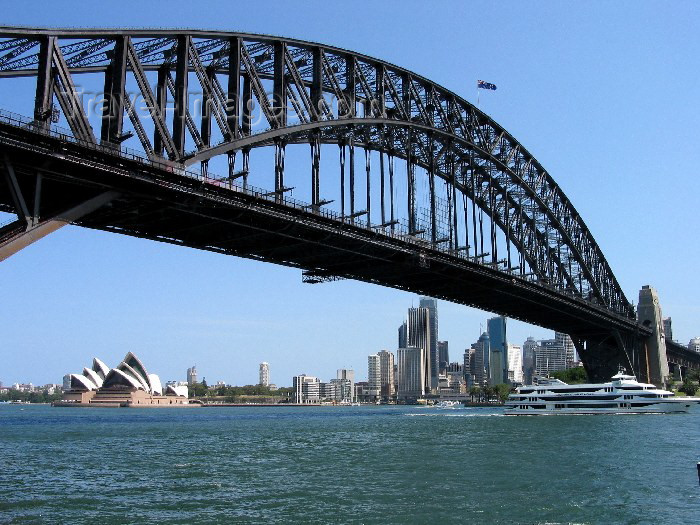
(443, 355)
(529, 350)
(565, 341)
(403, 335)
(434, 357)
(386, 368)
(307, 389)
(468, 366)
(480, 363)
(550, 357)
(668, 329)
(411, 373)
(515, 364)
(498, 362)
(374, 376)
(418, 331)
(264, 374)
(192, 375)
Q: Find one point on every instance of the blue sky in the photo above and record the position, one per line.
(604, 94)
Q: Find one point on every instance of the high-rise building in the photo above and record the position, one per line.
(403, 335)
(480, 363)
(550, 357)
(515, 364)
(192, 375)
(668, 329)
(345, 373)
(264, 374)
(386, 371)
(529, 351)
(374, 376)
(433, 353)
(344, 390)
(565, 341)
(443, 355)
(411, 373)
(468, 366)
(498, 357)
(418, 331)
(307, 389)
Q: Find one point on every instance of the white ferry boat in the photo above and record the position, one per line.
(622, 395)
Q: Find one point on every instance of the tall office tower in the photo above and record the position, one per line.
(668, 330)
(264, 374)
(468, 366)
(307, 389)
(345, 373)
(529, 351)
(498, 362)
(374, 376)
(433, 354)
(515, 364)
(565, 341)
(411, 376)
(480, 363)
(403, 335)
(386, 372)
(550, 357)
(443, 355)
(192, 375)
(418, 331)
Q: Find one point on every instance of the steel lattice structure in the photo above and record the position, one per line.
(313, 94)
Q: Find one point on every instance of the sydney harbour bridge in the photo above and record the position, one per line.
(309, 156)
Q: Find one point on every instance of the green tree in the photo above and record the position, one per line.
(572, 376)
(689, 387)
(474, 392)
(502, 391)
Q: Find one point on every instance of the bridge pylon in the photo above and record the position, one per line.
(653, 349)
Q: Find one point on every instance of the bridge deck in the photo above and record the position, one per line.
(160, 203)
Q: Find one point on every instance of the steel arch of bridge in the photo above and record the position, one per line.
(316, 94)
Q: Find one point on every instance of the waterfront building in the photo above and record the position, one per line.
(515, 364)
(346, 373)
(418, 331)
(191, 375)
(386, 373)
(565, 341)
(433, 353)
(529, 351)
(344, 390)
(411, 376)
(264, 374)
(668, 329)
(307, 389)
(550, 357)
(454, 377)
(129, 384)
(443, 355)
(498, 357)
(694, 345)
(374, 376)
(480, 361)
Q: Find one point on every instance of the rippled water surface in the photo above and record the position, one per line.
(344, 465)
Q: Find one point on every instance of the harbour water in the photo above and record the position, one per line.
(344, 465)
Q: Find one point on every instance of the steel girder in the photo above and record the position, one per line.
(322, 94)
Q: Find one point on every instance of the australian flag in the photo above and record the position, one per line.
(485, 85)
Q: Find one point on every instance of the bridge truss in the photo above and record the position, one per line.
(411, 164)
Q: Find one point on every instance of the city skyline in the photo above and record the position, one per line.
(99, 293)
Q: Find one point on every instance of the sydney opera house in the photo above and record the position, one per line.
(129, 384)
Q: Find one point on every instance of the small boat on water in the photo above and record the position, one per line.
(622, 395)
(447, 404)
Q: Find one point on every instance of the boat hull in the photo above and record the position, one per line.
(670, 406)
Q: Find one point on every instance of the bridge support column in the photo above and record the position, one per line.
(29, 227)
(654, 350)
(603, 355)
